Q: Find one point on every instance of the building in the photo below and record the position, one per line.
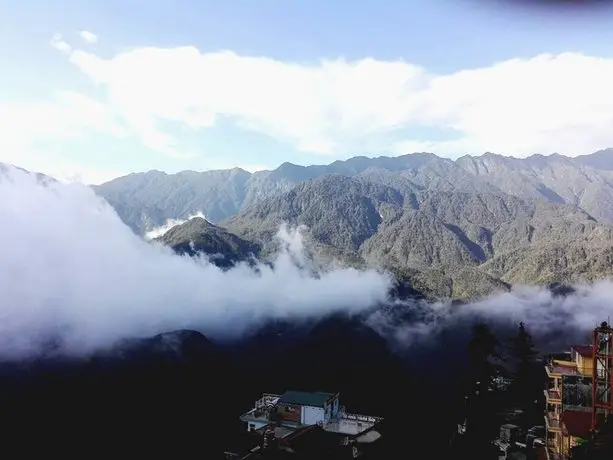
(569, 401)
(297, 409)
(300, 424)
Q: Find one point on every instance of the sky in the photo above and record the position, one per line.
(95, 89)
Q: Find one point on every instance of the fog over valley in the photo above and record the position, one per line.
(74, 275)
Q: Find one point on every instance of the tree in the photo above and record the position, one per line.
(527, 385)
(482, 368)
(482, 352)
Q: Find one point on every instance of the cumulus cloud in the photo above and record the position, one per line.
(58, 42)
(544, 104)
(88, 36)
(336, 108)
(32, 134)
(71, 269)
(66, 115)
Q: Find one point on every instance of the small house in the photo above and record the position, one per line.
(297, 409)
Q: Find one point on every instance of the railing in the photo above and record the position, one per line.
(551, 448)
(552, 454)
(266, 400)
(359, 417)
(553, 420)
(562, 369)
(553, 394)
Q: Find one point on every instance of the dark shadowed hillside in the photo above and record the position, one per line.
(147, 396)
(181, 394)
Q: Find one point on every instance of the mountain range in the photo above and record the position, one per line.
(454, 229)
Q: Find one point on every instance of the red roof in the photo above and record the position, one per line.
(584, 350)
(577, 424)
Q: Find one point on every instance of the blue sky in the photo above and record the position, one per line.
(196, 84)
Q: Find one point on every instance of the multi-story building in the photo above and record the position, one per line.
(569, 401)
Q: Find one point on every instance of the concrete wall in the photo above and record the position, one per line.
(312, 415)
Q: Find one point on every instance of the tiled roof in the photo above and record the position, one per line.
(303, 398)
(577, 423)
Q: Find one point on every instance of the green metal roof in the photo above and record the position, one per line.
(303, 398)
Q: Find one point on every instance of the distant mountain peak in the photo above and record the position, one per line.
(197, 235)
(603, 159)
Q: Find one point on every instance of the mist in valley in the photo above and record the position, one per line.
(74, 274)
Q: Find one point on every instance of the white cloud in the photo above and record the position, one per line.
(79, 272)
(546, 104)
(66, 116)
(59, 44)
(549, 103)
(82, 274)
(66, 171)
(88, 36)
(59, 168)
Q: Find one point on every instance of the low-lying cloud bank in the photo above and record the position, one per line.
(554, 320)
(71, 270)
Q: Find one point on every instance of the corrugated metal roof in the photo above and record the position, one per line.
(303, 398)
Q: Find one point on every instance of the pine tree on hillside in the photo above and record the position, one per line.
(527, 387)
(482, 368)
(482, 352)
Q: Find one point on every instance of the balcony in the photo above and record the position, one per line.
(553, 396)
(552, 421)
(553, 447)
(552, 453)
(560, 368)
